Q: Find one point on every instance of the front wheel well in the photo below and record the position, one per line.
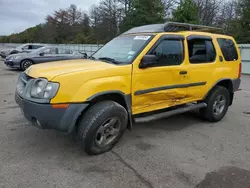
(27, 59)
(116, 97)
(110, 97)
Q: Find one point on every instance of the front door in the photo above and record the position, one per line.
(165, 84)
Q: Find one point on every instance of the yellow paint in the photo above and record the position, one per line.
(81, 79)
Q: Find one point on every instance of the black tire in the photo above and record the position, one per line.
(211, 112)
(25, 64)
(91, 129)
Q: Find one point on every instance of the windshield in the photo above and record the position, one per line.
(122, 49)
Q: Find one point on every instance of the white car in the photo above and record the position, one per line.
(25, 48)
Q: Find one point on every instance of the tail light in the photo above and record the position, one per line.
(240, 70)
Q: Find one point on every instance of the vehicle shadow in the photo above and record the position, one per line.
(48, 142)
(12, 70)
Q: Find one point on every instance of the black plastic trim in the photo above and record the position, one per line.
(63, 120)
(198, 37)
(141, 92)
(127, 99)
(236, 84)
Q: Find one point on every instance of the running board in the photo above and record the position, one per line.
(170, 113)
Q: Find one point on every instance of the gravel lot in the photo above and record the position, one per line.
(179, 152)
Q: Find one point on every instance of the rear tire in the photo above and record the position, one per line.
(217, 104)
(102, 126)
(26, 64)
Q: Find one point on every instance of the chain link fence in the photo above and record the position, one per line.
(86, 48)
(91, 48)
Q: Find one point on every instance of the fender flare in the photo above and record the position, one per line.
(224, 79)
(127, 99)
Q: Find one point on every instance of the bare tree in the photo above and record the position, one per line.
(227, 13)
(74, 15)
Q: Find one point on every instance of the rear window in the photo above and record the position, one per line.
(228, 49)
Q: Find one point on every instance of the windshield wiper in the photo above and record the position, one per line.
(110, 60)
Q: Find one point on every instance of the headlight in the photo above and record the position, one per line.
(42, 89)
(15, 57)
(20, 85)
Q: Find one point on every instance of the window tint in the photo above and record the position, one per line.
(64, 51)
(228, 49)
(50, 51)
(201, 51)
(169, 52)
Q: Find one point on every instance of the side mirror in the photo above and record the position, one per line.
(41, 54)
(85, 56)
(148, 61)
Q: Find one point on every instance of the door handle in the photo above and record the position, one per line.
(183, 72)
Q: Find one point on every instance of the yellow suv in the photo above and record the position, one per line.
(147, 73)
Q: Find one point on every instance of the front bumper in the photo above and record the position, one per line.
(11, 63)
(46, 117)
(3, 55)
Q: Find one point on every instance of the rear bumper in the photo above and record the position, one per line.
(44, 116)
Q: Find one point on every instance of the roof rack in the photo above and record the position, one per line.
(174, 27)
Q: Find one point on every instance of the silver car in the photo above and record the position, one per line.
(25, 48)
(45, 54)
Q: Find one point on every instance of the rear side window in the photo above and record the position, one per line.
(64, 51)
(228, 49)
(201, 51)
(169, 52)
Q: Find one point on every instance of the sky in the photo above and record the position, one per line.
(18, 15)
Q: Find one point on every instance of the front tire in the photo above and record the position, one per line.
(26, 64)
(102, 126)
(217, 104)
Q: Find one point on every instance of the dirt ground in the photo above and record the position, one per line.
(179, 152)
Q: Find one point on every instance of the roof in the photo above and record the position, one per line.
(173, 27)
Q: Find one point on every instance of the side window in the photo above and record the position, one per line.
(169, 52)
(64, 51)
(228, 49)
(201, 51)
(50, 51)
(36, 46)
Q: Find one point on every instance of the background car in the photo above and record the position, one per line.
(25, 48)
(45, 54)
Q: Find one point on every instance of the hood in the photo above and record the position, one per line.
(6, 51)
(54, 69)
(18, 54)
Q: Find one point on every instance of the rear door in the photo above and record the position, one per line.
(231, 56)
(202, 58)
(47, 55)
